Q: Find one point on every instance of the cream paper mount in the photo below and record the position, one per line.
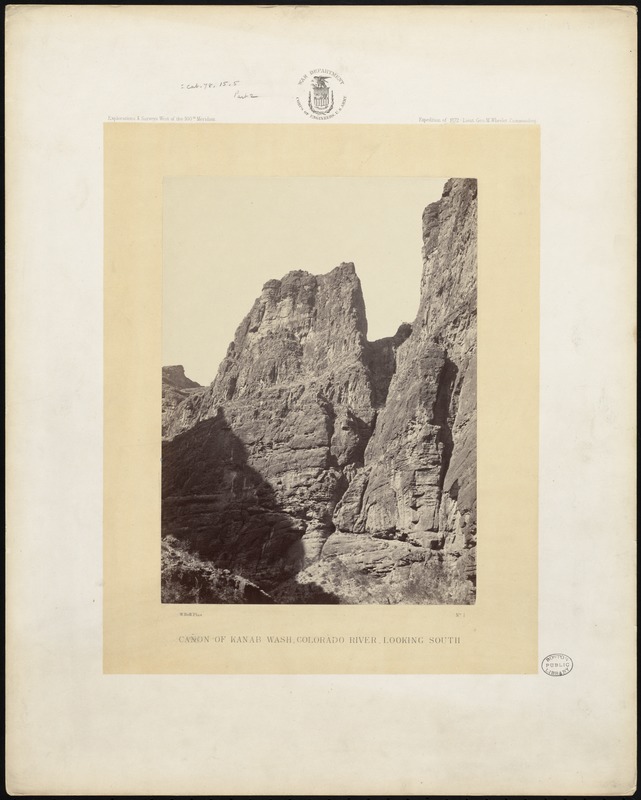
(74, 730)
(498, 634)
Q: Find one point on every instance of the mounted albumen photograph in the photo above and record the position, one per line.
(319, 390)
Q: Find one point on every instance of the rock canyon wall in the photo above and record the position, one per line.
(321, 467)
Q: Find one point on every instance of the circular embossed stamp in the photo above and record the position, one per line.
(321, 94)
(557, 665)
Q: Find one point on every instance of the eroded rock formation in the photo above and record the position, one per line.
(176, 386)
(326, 468)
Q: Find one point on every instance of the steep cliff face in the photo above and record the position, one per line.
(326, 468)
(257, 462)
(419, 478)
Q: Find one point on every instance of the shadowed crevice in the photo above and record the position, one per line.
(442, 414)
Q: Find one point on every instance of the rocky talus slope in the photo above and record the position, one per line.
(321, 467)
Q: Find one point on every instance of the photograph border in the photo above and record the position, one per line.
(496, 635)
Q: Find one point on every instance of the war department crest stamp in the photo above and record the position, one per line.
(321, 94)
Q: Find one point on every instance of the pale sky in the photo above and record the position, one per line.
(223, 238)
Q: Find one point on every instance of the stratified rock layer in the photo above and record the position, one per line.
(326, 468)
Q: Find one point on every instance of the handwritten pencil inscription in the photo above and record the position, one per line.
(238, 93)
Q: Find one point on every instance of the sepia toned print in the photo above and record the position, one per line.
(320, 466)
(162, 222)
(536, 677)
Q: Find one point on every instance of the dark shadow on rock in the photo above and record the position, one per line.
(381, 361)
(307, 593)
(224, 511)
(442, 411)
(188, 579)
